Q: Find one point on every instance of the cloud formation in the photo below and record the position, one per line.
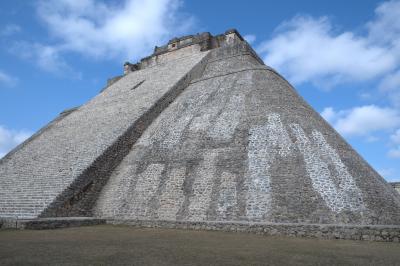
(394, 151)
(9, 139)
(362, 120)
(101, 29)
(385, 28)
(307, 49)
(7, 80)
(9, 29)
(395, 137)
(250, 38)
(121, 30)
(47, 57)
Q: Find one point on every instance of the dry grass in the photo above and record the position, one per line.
(116, 245)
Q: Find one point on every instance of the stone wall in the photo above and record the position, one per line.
(320, 231)
(48, 223)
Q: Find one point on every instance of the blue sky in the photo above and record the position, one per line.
(342, 56)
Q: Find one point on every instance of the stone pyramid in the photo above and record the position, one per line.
(200, 131)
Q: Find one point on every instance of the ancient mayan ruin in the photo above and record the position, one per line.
(201, 134)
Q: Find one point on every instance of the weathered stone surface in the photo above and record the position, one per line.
(201, 134)
(252, 150)
(52, 171)
(324, 231)
(49, 223)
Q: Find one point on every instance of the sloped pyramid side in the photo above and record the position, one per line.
(59, 171)
(239, 144)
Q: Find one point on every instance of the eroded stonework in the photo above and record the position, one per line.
(200, 132)
(172, 197)
(228, 134)
(318, 156)
(266, 142)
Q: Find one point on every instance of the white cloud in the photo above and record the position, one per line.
(372, 139)
(9, 29)
(307, 49)
(121, 30)
(7, 80)
(250, 38)
(390, 82)
(113, 30)
(9, 139)
(385, 28)
(47, 57)
(362, 120)
(394, 153)
(385, 31)
(328, 114)
(365, 95)
(395, 137)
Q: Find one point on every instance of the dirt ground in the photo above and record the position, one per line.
(120, 245)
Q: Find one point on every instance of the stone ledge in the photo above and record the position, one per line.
(384, 233)
(48, 223)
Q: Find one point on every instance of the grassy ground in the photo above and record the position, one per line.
(116, 245)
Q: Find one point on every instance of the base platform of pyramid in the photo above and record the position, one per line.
(200, 135)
